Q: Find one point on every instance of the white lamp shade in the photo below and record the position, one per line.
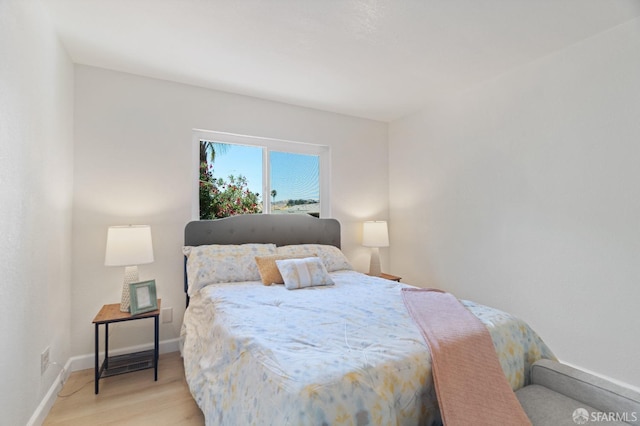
(375, 234)
(128, 245)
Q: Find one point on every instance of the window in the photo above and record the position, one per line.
(294, 183)
(243, 174)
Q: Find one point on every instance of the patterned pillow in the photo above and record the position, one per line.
(301, 273)
(332, 257)
(223, 264)
(268, 269)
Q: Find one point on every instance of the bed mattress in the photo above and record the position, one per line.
(346, 354)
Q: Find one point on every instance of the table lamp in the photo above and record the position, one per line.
(128, 246)
(375, 234)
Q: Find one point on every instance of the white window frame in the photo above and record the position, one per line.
(267, 145)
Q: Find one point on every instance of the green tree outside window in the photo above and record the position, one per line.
(223, 198)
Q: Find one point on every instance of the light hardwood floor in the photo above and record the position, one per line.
(128, 399)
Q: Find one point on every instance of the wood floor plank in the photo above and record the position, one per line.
(128, 399)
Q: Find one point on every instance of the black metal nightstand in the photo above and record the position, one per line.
(129, 362)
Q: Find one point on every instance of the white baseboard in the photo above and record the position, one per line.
(84, 362)
(40, 414)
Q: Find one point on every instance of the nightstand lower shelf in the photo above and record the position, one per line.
(126, 363)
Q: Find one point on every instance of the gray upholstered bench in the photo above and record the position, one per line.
(561, 395)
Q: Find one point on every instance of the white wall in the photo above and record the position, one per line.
(133, 165)
(524, 194)
(36, 152)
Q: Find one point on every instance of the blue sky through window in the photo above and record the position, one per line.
(293, 176)
(240, 160)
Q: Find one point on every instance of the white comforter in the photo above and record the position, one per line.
(345, 354)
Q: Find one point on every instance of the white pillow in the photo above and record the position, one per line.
(301, 273)
(223, 264)
(332, 258)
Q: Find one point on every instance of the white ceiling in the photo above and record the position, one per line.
(379, 59)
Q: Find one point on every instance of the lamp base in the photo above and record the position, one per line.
(130, 276)
(374, 264)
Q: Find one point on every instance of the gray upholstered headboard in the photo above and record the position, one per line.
(280, 229)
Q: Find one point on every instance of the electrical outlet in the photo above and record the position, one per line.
(167, 315)
(44, 360)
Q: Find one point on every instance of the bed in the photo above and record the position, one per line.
(341, 354)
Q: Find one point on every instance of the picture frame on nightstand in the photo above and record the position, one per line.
(143, 297)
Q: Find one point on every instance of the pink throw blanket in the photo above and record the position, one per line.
(470, 384)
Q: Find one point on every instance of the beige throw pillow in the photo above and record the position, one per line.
(268, 270)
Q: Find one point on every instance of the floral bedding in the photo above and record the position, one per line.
(347, 354)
